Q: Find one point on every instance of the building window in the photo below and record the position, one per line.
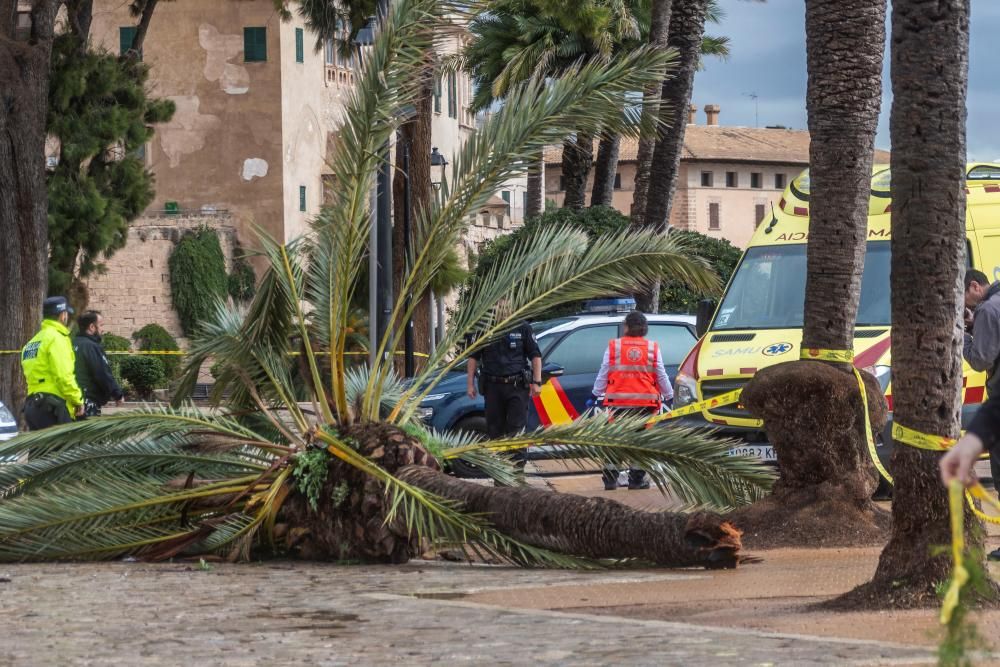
(254, 45)
(328, 47)
(756, 179)
(524, 202)
(452, 95)
(706, 179)
(437, 94)
(302, 198)
(505, 195)
(618, 180)
(713, 216)
(732, 179)
(126, 36)
(779, 181)
(300, 48)
(759, 211)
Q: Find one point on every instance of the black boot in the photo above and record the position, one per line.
(637, 479)
(610, 477)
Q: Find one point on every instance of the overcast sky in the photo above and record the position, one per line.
(769, 59)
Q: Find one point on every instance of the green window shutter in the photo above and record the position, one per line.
(299, 45)
(126, 35)
(302, 197)
(452, 95)
(254, 45)
(437, 94)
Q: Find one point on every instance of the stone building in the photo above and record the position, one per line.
(729, 176)
(257, 107)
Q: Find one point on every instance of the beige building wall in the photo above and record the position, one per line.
(223, 148)
(303, 130)
(449, 132)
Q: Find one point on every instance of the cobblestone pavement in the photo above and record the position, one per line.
(285, 613)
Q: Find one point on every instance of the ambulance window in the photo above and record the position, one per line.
(581, 351)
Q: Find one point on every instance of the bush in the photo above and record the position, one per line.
(242, 281)
(144, 374)
(198, 279)
(155, 337)
(113, 343)
(721, 255)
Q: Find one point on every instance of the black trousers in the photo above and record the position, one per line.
(506, 411)
(635, 475)
(45, 410)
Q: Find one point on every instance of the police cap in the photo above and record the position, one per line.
(55, 305)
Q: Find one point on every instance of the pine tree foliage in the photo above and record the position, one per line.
(101, 115)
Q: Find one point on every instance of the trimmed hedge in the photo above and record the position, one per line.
(113, 343)
(155, 337)
(198, 279)
(144, 374)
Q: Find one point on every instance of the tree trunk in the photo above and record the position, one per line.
(844, 44)
(577, 157)
(416, 134)
(141, 29)
(814, 420)
(24, 80)
(687, 23)
(605, 171)
(590, 527)
(930, 58)
(659, 28)
(800, 401)
(536, 189)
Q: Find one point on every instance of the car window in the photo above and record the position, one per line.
(545, 342)
(675, 341)
(582, 351)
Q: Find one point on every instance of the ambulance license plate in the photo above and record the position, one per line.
(762, 452)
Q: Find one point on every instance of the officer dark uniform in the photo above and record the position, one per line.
(49, 363)
(508, 369)
(93, 372)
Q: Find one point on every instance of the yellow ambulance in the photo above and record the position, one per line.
(758, 321)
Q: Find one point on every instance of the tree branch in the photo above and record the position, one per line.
(140, 31)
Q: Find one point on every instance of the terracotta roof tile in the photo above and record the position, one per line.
(720, 143)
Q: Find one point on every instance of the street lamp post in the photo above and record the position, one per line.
(436, 315)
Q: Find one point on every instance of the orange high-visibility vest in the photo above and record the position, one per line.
(632, 373)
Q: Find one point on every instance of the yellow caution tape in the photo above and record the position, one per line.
(847, 357)
(717, 402)
(960, 574)
(182, 353)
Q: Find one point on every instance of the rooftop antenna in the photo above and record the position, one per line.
(756, 116)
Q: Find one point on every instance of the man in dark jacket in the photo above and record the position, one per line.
(982, 338)
(93, 373)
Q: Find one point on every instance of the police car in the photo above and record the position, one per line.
(8, 425)
(572, 349)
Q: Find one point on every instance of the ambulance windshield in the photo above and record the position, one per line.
(768, 290)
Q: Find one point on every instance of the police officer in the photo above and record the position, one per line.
(93, 372)
(49, 365)
(506, 381)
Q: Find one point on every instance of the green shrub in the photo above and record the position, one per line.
(155, 337)
(144, 374)
(722, 256)
(198, 279)
(113, 343)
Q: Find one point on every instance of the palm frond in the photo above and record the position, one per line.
(695, 465)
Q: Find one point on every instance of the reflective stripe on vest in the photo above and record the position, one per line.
(632, 374)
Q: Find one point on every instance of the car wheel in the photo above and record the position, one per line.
(459, 467)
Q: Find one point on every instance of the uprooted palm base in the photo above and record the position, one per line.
(822, 498)
(348, 521)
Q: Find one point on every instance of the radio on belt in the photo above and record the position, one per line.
(610, 306)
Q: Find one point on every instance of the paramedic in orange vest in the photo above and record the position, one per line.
(632, 378)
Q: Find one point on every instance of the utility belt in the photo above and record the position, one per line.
(42, 399)
(517, 379)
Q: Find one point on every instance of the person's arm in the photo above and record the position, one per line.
(959, 461)
(63, 368)
(101, 372)
(662, 379)
(536, 376)
(470, 377)
(601, 382)
(982, 348)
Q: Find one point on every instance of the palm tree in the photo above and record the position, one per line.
(929, 83)
(338, 465)
(844, 44)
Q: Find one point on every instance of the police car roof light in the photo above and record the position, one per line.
(610, 306)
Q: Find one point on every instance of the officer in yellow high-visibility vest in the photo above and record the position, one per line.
(49, 364)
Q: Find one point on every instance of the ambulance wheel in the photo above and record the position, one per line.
(459, 467)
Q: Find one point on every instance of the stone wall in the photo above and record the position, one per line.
(135, 290)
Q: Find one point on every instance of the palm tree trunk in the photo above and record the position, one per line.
(578, 155)
(590, 527)
(844, 43)
(536, 189)
(658, 35)
(930, 58)
(687, 24)
(605, 171)
(24, 78)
